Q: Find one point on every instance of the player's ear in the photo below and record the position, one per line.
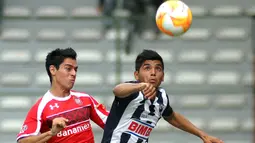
(163, 77)
(136, 75)
(52, 70)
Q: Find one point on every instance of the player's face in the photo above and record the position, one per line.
(66, 74)
(151, 71)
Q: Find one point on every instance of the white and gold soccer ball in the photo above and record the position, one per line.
(173, 17)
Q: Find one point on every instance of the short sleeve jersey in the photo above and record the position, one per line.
(78, 108)
(132, 119)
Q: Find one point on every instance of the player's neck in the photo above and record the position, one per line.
(59, 91)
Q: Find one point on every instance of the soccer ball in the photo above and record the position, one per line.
(173, 17)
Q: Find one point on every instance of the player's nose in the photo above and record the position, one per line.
(153, 72)
(73, 73)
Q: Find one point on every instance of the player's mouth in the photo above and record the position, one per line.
(152, 81)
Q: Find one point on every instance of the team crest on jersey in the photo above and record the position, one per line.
(78, 101)
(161, 107)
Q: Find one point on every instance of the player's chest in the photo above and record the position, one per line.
(153, 109)
(150, 108)
(75, 111)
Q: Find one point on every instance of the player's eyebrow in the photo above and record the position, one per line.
(146, 64)
(160, 65)
(71, 66)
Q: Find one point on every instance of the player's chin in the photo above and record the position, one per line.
(70, 86)
(155, 84)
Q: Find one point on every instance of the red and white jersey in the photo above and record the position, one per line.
(78, 108)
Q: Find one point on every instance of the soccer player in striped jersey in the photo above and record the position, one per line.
(139, 105)
(62, 115)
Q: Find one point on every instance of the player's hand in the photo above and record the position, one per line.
(58, 124)
(149, 91)
(211, 139)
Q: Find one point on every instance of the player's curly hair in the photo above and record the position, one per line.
(147, 54)
(57, 56)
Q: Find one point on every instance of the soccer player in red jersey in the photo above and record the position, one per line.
(62, 115)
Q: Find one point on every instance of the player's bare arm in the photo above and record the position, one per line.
(125, 89)
(179, 121)
(57, 125)
(42, 138)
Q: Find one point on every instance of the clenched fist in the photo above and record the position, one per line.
(149, 91)
(58, 124)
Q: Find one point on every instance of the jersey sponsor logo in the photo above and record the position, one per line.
(140, 129)
(74, 130)
(54, 106)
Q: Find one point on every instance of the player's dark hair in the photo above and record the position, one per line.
(147, 55)
(56, 57)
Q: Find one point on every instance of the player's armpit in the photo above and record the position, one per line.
(170, 117)
(98, 113)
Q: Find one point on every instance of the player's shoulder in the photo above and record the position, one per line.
(36, 104)
(162, 91)
(41, 102)
(82, 96)
(79, 94)
(43, 98)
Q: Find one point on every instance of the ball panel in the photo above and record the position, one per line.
(178, 21)
(159, 21)
(163, 8)
(184, 22)
(180, 11)
(173, 5)
(188, 21)
(169, 26)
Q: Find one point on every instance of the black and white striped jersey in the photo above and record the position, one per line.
(131, 119)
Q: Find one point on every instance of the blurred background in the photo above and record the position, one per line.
(209, 76)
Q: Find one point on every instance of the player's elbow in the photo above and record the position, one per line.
(24, 140)
(120, 91)
(117, 90)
